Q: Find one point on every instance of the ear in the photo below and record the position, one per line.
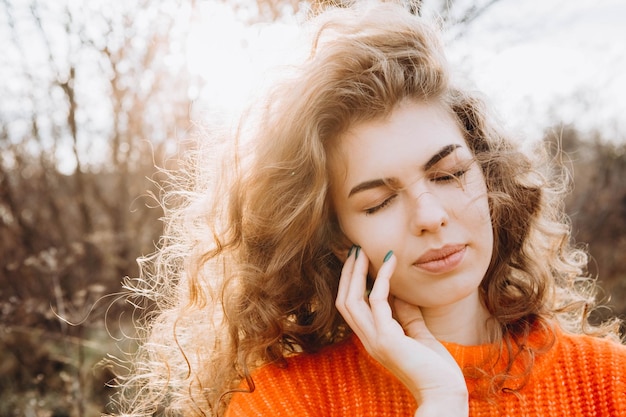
(341, 247)
(342, 253)
(340, 244)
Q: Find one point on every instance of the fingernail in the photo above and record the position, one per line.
(388, 256)
(350, 251)
(358, 249)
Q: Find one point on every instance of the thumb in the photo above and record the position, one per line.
(412, 321)
(410, 318)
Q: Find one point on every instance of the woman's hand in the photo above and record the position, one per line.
(404, 346)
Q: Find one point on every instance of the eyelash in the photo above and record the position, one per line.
(382, 205)
(451, 177)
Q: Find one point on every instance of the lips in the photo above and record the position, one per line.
(440, 261)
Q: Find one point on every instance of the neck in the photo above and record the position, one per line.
(464, 322)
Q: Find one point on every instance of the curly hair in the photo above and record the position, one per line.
(247, 273)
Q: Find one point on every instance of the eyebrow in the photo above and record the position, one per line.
(368, 185)
(443, 152)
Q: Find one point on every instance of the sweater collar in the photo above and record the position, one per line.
(481, 362)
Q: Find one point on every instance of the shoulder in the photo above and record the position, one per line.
(586, 360)
(296, 387)
(591, 371)
(306, 367)
(332, 381)
(604, 351)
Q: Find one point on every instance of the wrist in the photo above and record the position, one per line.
(446, 404)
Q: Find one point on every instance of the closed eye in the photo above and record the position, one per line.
(382, 205)
(443, 178)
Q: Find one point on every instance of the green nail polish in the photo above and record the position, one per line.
(350, 251)
(388, 256)
(358, 249)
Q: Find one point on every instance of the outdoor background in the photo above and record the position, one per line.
(96, 95)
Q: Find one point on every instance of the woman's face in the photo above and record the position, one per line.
(409, 183)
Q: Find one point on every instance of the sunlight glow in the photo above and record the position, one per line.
(536, 65)
(232, 57)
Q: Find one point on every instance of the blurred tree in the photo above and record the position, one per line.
(597, 209)
(93, 94)
(456, 14)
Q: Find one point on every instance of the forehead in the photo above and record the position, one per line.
(408, 137)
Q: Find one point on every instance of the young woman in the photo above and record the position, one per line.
(381, 249)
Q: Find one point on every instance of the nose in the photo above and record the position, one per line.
(428, 214)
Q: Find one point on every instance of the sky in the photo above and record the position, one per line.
(558, 59)
(540, 62)
(537, 61)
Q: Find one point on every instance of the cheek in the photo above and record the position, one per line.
(481, 212)
(477, 218)
(472, 211)
(476, 214)
(476, 204)
(375, 235)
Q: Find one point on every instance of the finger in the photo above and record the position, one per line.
(344, 279)
(379, 297)
(358, 279)
(359, 315)
(353, 273)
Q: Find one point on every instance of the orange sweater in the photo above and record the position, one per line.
(579, 376)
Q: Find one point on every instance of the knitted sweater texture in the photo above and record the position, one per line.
(579, 376)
